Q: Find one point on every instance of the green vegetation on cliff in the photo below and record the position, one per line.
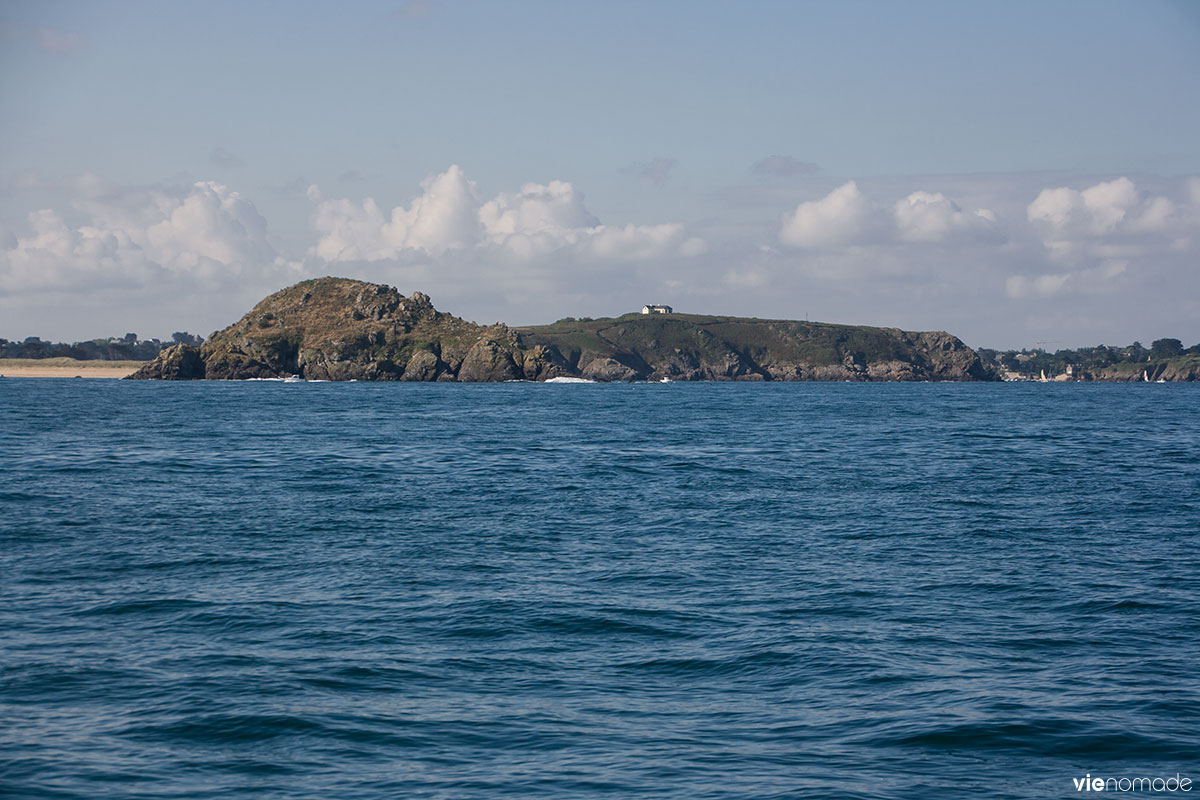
(341, 329)
(698, 347)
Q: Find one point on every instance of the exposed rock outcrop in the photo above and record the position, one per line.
(182, 362)
(1184, 368)
(341, 329)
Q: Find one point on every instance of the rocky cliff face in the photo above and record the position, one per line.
(340, 329)
(1182, 368)
(691, 347)
(337, 329)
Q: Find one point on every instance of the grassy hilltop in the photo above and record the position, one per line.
(700, 347)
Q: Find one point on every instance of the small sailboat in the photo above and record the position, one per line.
(1145, 377)
(1043, 379)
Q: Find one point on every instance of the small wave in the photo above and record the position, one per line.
(1118, 606)
(599, 625)
(565, 379)
(752, 663)
(1056, 736)
(228, 728)
(169, 604)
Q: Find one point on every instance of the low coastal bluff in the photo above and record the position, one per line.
(1184, 368)
(342, 329)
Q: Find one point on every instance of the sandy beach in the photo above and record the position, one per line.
(65, 368)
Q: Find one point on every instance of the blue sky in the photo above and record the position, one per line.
(182, 160)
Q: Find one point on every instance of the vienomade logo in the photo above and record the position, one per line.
(1088, 783)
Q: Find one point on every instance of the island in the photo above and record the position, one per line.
(340, 329)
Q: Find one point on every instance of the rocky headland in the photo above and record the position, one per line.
(1171, 370)
(341, 329)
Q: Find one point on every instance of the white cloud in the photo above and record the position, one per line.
(210, 226)
(552, 213)
(1080, 247)
(846, 217)
(926, 217)
(204, 233)
(840, 217)
(56, 255)
(444, 217)
(531, 224)
(1112, 222)
(638, 242)
(876, 252)
(1104, 209)
(1105, 237)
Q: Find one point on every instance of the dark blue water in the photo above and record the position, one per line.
(218, 590)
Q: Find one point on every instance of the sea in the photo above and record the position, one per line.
(685, 590)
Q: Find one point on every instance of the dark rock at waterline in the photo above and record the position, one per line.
(182, 362)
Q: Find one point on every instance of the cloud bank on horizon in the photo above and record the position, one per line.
(541, 250)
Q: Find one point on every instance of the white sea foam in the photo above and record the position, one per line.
(565, 379)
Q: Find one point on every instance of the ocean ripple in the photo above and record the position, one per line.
(693, 591)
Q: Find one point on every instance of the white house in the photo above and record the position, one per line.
(655, 309)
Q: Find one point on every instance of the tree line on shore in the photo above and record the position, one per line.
(1034, 362)
(125, 348)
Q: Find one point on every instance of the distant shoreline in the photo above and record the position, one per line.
(66, 368)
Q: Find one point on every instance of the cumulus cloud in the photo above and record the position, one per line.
(873, 251)
(201, 233)
(1114, 219)
(1093, 237)
(555, 206)
(846, 217)
(840, 217)
(926, 217)
(783, 167)
(444, 217)
(450, 215)
(1106, 209)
